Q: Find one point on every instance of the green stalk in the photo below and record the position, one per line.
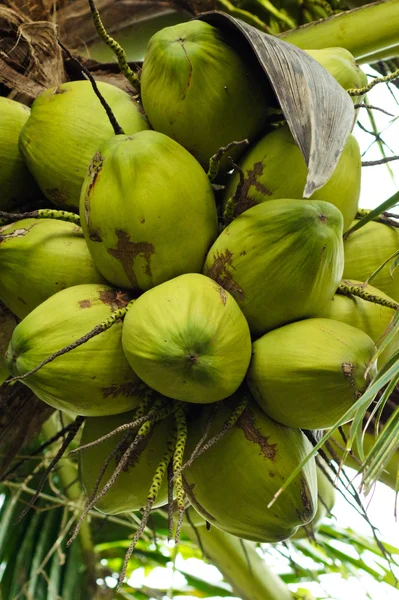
(363, 31)
(240, 564)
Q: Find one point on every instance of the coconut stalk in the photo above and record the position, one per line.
(352, 30)
(241, 565)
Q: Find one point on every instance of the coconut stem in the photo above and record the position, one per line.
(67, 440)
(181, 426)
(216, 159)
(116, 316)
(115, 47)
(43, 213)
(112, 119)
(151, 498)
(373, 82)
(352, 290)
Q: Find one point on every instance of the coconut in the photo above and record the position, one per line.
(308, 374)
(326, 498)
(39, 257)
(366, 249)
(275, 168)
(199, 90)
(130, 490)
(16, 183)
(371, 318)
(231, 483)
(188, 339)
(66, 126)
(162, 219)
(281, 260)
(94, 379)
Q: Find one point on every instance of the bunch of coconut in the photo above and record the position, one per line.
(195, 326)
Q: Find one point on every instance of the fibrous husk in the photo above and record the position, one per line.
(21, 417)
(309, 373)
(39, 257)
(231, 483)
(188, 339)
(31, 59)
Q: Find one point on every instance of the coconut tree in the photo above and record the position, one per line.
(41, 495)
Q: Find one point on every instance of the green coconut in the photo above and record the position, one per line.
(309, 373)
(326, 498)
(16, 183)
(231, 483)
(95, 378)
(371, 318)
(200, 91)
(130, 490)
(281, 260)
(366, 249)
(66, 126)
(8, 322)
(162, 218)
(39, 257)
(275, 168)
(188, 339)
(342, 66)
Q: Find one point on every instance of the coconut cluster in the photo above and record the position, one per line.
(172, 289)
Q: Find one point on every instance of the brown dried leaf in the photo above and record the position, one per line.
(30, 58)
(319, 112)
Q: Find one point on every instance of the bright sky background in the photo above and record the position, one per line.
(377, 186)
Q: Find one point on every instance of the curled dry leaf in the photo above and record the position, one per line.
(319, 112)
